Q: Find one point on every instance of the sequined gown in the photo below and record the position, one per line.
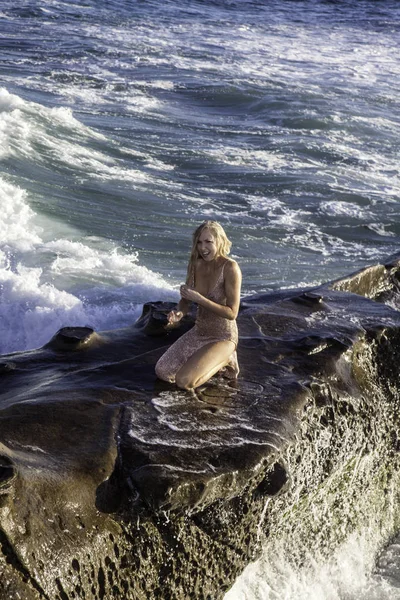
(209, 328)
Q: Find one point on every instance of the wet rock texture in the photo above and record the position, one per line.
(116, 485)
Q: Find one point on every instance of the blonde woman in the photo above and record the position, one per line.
(213, 283)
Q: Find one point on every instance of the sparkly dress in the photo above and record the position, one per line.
(209, 328)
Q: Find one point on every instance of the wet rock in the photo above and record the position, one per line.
(116, 485)
(154, 318)
(274, 482)
(7, 477)
(73, 338)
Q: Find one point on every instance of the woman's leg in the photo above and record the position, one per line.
(176, 356)
(203, 364)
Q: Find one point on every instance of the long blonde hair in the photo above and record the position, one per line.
(223, 245)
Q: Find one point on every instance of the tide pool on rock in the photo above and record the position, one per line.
(116, 485)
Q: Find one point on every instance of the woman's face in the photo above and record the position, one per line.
(207, 245)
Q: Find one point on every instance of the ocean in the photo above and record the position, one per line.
(123, 125)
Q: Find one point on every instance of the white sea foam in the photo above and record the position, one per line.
(24, 126)
(347, 574)
(380, 229)
(55, 138)
(133, 99)
(159, 165)
(269, 205)
(15, 219)
(9, 101)
(383, 123)
(248, 157)
(140, 103)
(279, 214)
(85, 95)
(347, 209)
(157, 83)
(315, 240)
(45, 285)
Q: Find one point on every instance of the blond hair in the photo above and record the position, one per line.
(223, 245)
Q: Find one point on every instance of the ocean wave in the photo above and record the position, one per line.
(314, 240)
(15, 220)
(249, 158)
(45, 285)
(347, 574)
(346, 209)
(53, 139)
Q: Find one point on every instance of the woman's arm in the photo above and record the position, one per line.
(181, 310)
(183, 307)
(233, 282)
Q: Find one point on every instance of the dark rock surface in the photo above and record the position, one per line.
(116, 485)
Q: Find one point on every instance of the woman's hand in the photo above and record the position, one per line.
(232, 284)
(174, 316)
(188, 294)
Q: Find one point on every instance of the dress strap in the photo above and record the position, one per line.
(223, 267)
(221, 275)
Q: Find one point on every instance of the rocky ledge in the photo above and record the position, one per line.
(116, 485)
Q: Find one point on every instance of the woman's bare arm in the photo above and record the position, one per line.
(181, 310)
(183, 306)
(233, 282)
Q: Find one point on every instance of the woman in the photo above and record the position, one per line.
(213, 283)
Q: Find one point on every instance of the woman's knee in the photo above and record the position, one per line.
(163, 372)
(184, 381)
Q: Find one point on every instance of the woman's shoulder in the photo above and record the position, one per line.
(231, 271)
(231, 265)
